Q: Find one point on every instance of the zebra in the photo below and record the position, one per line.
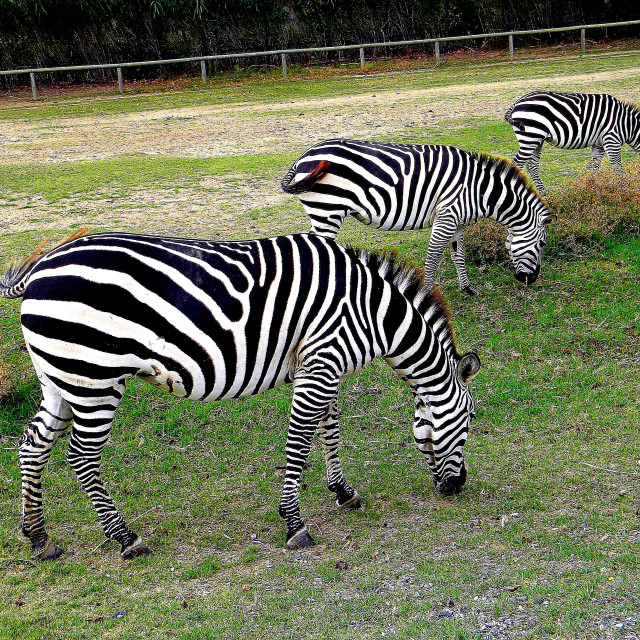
(399, 187)
(211, 320)
(572, 121)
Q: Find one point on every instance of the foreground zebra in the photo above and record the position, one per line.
(572, 121)
(214, 320)
(398, 187)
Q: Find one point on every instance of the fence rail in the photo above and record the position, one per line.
(119, 66)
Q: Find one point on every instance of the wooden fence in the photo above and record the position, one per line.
(283, 53)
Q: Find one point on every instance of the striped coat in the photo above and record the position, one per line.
(397, 187)
(214, 320)
(572, 121)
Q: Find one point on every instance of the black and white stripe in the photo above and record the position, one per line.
(214, 320)
(572, 121)
(398, 187)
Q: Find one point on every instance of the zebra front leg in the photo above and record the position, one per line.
(311, 397)
(89, 436)
(329, 434)
(457, 255)
(533, 167)
(35, 446)
(613, 149)
(444, 229)
(596, 157)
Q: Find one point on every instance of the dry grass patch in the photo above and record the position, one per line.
(591, 209)
(6, 385)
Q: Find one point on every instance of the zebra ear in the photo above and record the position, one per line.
(468, 366)
(550, 219)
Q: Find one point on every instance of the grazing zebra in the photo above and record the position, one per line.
(572, 121)
(213, 320)
(399, 187)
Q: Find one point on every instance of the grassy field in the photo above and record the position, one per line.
(542, 542)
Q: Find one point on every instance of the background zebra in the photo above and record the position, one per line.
(397, 187)
(572, 121)
(208, 321)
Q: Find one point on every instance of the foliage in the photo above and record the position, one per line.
(57, 32)
(591, 209)
(6, 383)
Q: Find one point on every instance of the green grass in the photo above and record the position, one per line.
(118, 176)
(275, 88)
(539, 544)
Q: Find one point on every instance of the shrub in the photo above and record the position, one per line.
(591, 208)
(6, 385)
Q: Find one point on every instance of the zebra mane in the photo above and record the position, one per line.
(509, 170)
(18, 269)
(409, 280)
(633, 105)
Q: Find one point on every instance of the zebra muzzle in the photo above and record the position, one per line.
(528, 278)
(452, 485)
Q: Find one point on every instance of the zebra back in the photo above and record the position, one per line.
(14, 281)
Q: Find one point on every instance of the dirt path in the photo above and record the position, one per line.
(218, 131)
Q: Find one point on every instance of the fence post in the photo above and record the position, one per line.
(120, 82)
(362, 57)
(284, 65)
(203, 69)
(511, 47)
(583, 43)
(437, 54)
(34, 91)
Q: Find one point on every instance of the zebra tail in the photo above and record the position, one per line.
(308, 181)
(508, 116)
(14, 281)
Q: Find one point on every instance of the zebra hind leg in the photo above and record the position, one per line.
(325, 222)
(329, 434)
(457, 255)
(35, 446)
(311, 398)
(90, 433)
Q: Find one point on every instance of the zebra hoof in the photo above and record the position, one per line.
(135, 549)
(48, 551)
(470, 291)
(300, 539)
(352, 503)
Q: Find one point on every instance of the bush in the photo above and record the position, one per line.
(591, 208)
(6, 386)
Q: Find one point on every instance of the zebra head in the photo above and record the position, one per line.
(525, 248)
(441, 426)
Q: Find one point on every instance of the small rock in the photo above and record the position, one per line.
(445, 613)
(118, 615)
(522, 598)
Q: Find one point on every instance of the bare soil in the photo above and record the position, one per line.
(216, 131)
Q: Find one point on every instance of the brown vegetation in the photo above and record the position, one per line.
(590, 208)
(6, 385)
